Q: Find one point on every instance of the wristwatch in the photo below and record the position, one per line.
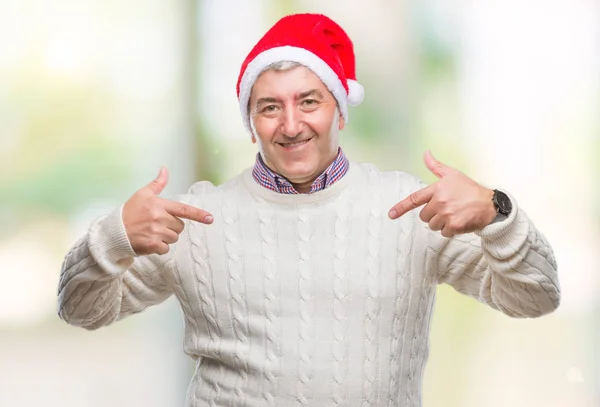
(502, 203)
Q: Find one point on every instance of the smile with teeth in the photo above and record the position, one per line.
(295, 144)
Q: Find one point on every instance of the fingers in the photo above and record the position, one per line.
(436, 223)
(185, 211)
(156, 246)
(160, 243)
(160, 182)
(447, 232)
(446, 228)
(161, 248)
(439, 169)
(412, 201)
(169, 236)
(175, 224)
(428, 211)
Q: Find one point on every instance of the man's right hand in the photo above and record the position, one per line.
(152, 223)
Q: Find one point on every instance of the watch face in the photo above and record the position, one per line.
(503, 202)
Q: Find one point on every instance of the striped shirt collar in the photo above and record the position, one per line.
(275, 182)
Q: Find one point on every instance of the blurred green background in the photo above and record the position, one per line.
(96, 95)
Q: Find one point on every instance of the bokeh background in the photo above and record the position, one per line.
(96, 95)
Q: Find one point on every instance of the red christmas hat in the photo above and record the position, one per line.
(314, 41)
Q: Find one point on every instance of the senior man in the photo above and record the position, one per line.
(308, 279)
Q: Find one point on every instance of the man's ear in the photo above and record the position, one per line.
(342, 122)
(252, 130)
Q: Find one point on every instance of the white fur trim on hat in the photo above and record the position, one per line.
(306, 58)
(356, 93)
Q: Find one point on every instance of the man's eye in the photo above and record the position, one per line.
(309, 102)
(269, 108)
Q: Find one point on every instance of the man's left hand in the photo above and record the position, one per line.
(454, 204)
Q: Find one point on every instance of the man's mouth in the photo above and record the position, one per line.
(295, 144)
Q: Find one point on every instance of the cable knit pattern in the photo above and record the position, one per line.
(235, 269)
(540, 245)
(268, 246)
(415, 341)
(373, 290)
(201, 259)
(306, 306)
(403, 291)
(341, 231)
(310, 299)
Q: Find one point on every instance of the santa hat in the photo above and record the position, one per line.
(314, 41)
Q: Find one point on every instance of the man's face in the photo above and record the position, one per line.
(297, 123)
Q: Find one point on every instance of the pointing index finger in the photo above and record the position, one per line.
(186, 211)
(414, 200)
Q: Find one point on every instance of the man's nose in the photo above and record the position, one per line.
(292, 123)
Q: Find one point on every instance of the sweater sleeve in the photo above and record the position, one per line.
(508, 265)
(102, 279)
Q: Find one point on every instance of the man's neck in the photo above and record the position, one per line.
(304, 186)
(324, 177)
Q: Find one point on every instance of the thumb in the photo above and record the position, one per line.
(437, 167)
(160, 182)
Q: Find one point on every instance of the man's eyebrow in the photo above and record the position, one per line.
(302, 95)
(312, 92)
(266, 100)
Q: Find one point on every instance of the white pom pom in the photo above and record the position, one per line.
(356, 93)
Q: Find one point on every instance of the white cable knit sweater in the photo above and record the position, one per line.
(316, 299)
